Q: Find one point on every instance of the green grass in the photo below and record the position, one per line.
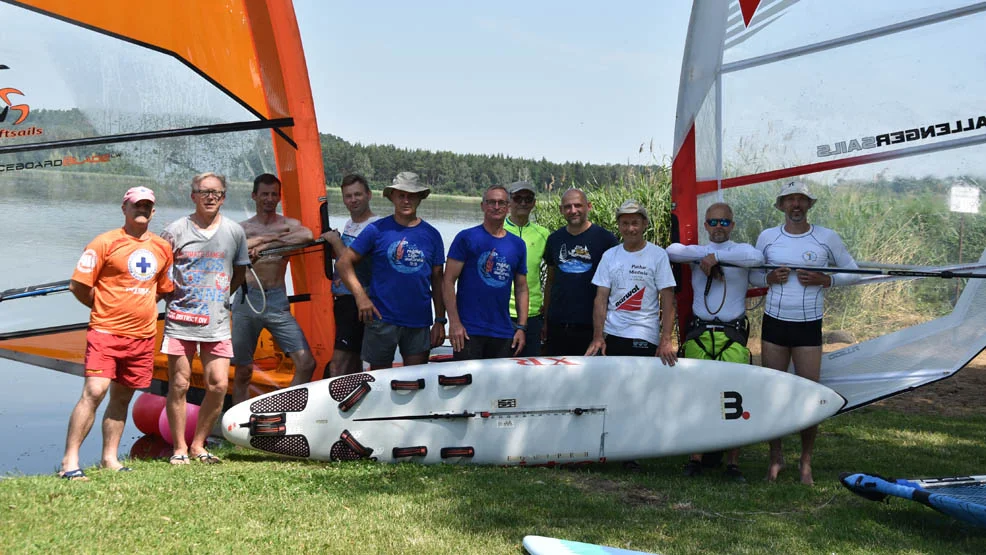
(258, 503)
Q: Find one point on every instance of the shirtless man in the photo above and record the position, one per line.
(266, 230)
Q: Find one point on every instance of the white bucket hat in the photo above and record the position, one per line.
(794, 188)
(407, 182)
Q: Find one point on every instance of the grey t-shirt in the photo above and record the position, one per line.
(198, 308)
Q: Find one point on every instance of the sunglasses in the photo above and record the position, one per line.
(210, 194)
(523, 199)
(724, 222)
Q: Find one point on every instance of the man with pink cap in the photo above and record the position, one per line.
(121, 276)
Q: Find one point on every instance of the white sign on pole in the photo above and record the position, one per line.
(964, 199)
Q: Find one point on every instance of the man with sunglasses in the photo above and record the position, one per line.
(792, 320)
(572, 254)
(718, 329)
(266, 304)
(484, 261)
(522, 201)
(210, 260)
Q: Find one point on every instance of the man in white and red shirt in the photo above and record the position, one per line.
(120, 276)
(633, 281)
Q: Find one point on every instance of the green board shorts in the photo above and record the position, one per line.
(708, 346)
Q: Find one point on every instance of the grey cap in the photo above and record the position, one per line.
(519, 186)
(794, 188)
(632, 207)
(407, 182)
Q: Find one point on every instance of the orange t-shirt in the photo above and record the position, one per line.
(127, 274)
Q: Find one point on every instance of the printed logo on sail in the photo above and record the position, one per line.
(87, 262)
(14, 111)
(142, 265)
(405, 256)
(493, 269)
(924, 132)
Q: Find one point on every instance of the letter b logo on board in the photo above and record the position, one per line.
(732, 406)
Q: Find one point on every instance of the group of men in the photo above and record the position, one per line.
(394, 290)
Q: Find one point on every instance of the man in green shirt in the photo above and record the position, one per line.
(522, 201)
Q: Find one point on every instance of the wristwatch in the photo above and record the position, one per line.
(443, 320)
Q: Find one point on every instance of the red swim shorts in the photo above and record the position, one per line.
(125, 360)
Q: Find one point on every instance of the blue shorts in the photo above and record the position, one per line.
(380, 339)
(276, 318)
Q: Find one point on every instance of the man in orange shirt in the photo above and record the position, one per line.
(120, 276)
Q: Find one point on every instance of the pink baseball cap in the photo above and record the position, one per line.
(137, 194)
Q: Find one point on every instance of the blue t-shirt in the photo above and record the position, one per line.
(575, 259)
(483, 291)
(401, 259)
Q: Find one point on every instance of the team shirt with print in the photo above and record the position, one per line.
(575, 259)
(126, 275)
(401, 262)
(484, 288)
(350, 231)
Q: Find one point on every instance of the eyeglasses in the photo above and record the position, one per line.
(523, 199)
(496, 203)
(724, 222)
(210, 194)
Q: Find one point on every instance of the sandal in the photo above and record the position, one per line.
(208, 458)
(178, 459)
(75, 475)
(733, 473)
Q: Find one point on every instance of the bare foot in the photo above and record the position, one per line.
(806, 478)
(773, 470)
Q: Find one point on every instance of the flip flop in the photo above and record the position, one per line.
(124, 469)
(208, 458)
(178, 459)
(73, 475)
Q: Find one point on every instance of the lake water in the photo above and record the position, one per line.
(40, 242)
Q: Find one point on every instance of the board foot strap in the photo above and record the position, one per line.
(407, 385)
(416, 451)
(450, 452)
(264, 425)
(464, 379)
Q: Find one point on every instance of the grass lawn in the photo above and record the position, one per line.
(254, 503)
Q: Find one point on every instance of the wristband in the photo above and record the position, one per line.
(443, 320)
(521, 327)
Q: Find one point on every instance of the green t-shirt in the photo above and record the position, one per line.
(535, 237)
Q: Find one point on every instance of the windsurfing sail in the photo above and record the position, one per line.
(961, 497)
(877, 105)
(100, 95)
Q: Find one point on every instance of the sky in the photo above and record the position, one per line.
(565, 80)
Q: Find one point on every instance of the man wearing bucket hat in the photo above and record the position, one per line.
(633, 284)
(792, 321)
(718, 329)
(406, 257)
(121, 276)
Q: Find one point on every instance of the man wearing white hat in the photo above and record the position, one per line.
(792, 321)
(406, 256)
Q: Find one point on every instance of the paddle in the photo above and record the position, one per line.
(34, 290)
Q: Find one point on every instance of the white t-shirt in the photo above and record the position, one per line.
(736, 278)
(820, 247)
(634, 280)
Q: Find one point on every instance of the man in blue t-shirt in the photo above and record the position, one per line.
(485, 260)
(406, 257)
(572, 255)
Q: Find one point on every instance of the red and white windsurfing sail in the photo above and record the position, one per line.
(872, 97)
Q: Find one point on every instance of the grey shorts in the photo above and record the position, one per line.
(276, 318)
(380, 339)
